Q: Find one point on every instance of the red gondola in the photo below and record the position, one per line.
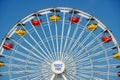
(118, 74)
(106, 39)
(8, 46)
(36, 22)
(74, 19)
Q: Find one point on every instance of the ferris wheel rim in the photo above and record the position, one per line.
(24, 20)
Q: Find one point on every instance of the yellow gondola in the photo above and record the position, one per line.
(92, 27)
(20, 32)
(55, 18)
(1, 63)
(116, 55)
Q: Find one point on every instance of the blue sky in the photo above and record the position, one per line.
(107, 11)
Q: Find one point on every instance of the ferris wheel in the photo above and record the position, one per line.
(59, 44)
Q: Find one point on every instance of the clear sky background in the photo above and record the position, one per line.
(107, 11)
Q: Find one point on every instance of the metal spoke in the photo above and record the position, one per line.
(53, 76)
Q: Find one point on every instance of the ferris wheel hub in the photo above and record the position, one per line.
(58, 67)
